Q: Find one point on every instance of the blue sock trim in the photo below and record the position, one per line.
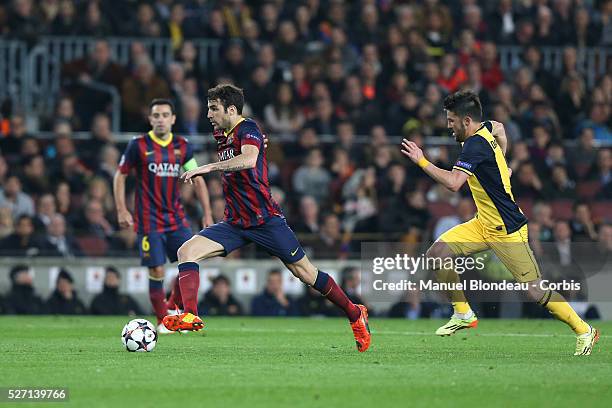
(188, 266)
(156, 284)
(321, 281)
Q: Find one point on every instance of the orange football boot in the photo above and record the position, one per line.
(361, 330)
(184, 321)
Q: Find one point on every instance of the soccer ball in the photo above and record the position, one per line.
(139, 335)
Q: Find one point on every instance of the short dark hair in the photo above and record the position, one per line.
(162, 101)
(274, 271)
(464, 103)
(228, 95)
(112, 269)
(15, 270)
(221, 279)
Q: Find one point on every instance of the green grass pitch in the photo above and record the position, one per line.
(307, 363)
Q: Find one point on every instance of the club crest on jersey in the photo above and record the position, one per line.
(164, 169)
(230, 139)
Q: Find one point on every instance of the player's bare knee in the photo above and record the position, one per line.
(439, 249)
(156, 272)
(186, 252)
(535, 292)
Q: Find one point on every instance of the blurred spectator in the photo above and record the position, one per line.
(259, 90)
(24, 242)
(62, 242)
(63, 112)
(273, 301)
(110, 301)
(308, 221)
(601, 171)
(526, 183)
(324, 119)
(45, 209)
(23, 21)
(22, 299)
(13, 197)
(282, 116)
(219, 301)
(233, 65)
(137, 91)
(65, 22)
(94, 223)
(101, 137)
(97, 66)
(330, 244)
(108, 160)
(351, 285)
(192, 120)
(10, 145)
(63, 199)
(312, 178)
(64, 299)
(145, 24)
(288, 48)
(95, 23)
(35, 180)
(562, 186)
(584, 154)
(543, 216)
(582, 226)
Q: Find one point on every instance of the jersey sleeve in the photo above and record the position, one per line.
(474, 152)
(251, 135)
(129, 158)
(189, 163)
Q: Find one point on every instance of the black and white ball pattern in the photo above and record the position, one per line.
(139, 335)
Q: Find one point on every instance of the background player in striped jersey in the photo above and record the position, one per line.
(251, 215)
(156, 158)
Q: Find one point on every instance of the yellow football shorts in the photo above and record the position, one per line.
(512, 249)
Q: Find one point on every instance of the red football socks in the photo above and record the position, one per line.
(330, 289)
(189, 282)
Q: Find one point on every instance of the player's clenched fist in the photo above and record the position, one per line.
(411, 150)
(125, 219)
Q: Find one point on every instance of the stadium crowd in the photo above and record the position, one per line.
(311, 69)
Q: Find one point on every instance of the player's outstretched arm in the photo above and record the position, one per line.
(246, 160)
(453, 180)
(124, 218)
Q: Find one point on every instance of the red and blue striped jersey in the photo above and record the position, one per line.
(157, 166)
(248, 200)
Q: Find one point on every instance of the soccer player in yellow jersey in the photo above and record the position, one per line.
(499, 223)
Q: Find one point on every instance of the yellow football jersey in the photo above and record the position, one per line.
(483, 160)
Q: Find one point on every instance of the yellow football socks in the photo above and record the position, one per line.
(558, 307)
(460, 304)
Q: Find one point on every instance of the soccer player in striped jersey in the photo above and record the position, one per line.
(499, 223)
(157, 158)
(251, 215)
